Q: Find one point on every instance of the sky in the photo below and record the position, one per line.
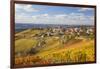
(44, 14)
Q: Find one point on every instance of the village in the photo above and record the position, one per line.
(33, 42)
(63, 35)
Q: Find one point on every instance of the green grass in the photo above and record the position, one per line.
(23, 45)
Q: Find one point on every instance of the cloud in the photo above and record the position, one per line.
(32, 14)
(45, 15)
(85, 9)
(25, 8)
(69, 19)
(23, 19)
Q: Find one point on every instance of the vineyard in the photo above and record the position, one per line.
(83, 54)
(30, 50)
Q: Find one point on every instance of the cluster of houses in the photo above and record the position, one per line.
(71, 31)
(63, 34)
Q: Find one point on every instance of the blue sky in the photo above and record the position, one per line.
(44, 14)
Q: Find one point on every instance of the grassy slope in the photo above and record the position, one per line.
(24, 44)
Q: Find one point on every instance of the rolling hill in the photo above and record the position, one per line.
(53, 51)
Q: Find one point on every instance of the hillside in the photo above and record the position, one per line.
(52, 51)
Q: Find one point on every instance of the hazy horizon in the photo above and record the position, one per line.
(52, 24)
